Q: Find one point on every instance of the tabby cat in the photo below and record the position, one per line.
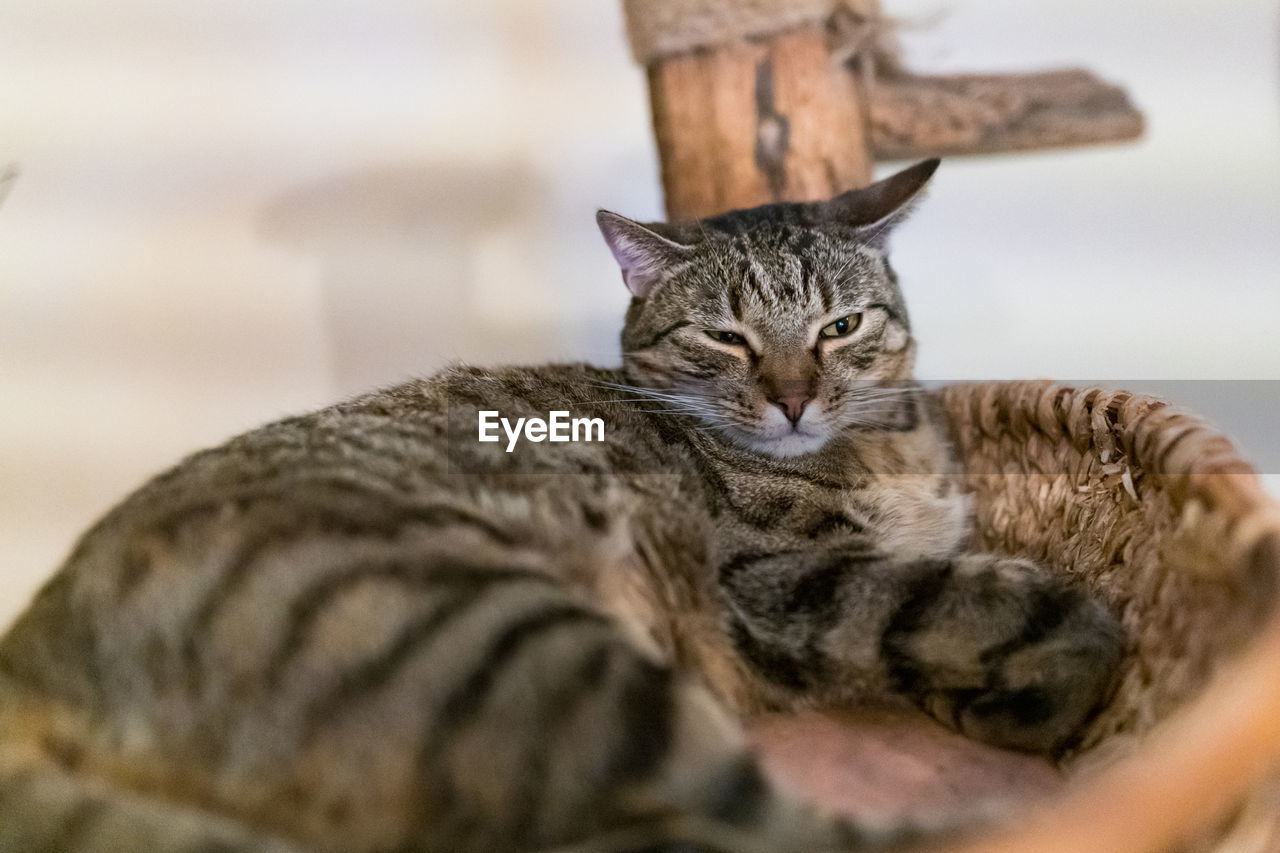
(363, 629)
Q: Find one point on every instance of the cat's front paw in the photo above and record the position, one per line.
(1006, 653)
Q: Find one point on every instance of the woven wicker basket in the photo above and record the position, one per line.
(1155, 512)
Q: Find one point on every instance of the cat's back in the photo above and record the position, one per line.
(355, 483)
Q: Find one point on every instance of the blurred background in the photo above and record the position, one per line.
(228, 211)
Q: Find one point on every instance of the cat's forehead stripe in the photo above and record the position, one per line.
(826, 293)
(734, 294)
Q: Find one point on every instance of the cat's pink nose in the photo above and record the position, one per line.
(792, 406)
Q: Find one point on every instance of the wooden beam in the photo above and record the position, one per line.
(913, 116)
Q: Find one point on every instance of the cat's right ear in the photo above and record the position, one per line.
(641, 252)
(874, 210)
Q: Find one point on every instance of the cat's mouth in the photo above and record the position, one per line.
(785, 439)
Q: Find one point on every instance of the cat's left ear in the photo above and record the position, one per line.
(642, 253)
(874, 210)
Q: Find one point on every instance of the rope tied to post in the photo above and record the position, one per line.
(661, 28)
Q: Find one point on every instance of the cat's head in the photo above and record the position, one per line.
(778, 326)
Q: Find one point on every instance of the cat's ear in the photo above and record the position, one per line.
(641, 252)
(874, 210)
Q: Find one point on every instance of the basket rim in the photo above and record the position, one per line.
(1193, 457)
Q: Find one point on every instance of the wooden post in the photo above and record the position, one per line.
(757, 121)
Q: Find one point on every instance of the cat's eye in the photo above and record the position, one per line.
(733, 339)
(842, 327)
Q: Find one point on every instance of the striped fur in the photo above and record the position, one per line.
(363, 630)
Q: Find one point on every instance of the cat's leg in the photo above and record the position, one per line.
(47, 807)
(998, 648)
(563, 736)
(1004, 651)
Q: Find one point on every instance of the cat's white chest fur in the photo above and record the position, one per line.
(912, 519)
(916, 509)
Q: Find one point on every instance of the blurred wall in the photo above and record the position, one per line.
(228, 211)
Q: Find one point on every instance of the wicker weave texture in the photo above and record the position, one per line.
(1146, 505)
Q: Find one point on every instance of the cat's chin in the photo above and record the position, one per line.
(787, 445)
